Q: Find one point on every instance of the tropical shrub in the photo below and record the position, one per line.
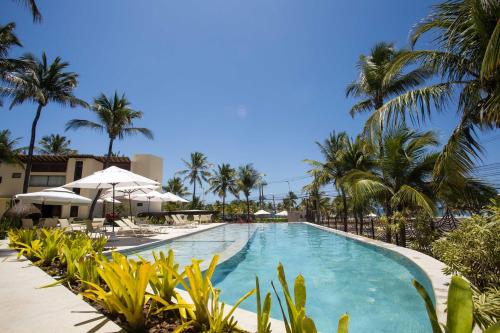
(424, 233)
(126, 281)
(44, 249)
(486, 306)
(297, 320)
(8, 223)
(206, 313)
(473, 249)
(460, 308)
(165, 281)
(21, 236)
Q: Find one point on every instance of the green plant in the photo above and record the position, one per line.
(126, 281)
(45, 249)
(473, 249)
(263, 310)
(486, 306)
(424, 234)
(206, 313)
(8, 223)
(86, 268)
(21, 236)
(460, 308)
(165, 281)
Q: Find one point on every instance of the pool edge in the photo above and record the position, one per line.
(431, 267)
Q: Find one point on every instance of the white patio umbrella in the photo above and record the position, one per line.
(109, 199)
(261, 212)
(127, 191)
(154, 196)
(54, 196)
(112, 177)
(283, 213)
(174, 198)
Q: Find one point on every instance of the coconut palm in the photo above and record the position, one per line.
(333, 168)
(33, 8)
(248, 179)
(7, 40)
(8, 148)
(222, 181)
(41, 83)
(290, 201)
(116, 119)
(376, 84)
(466, 60)
(196, 170)
(403, 174)
(176, 186)
(55, 144)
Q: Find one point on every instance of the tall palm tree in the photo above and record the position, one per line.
(55, 144)
(376, 83)
(116, 119)
(465, 58)
(33, 8)
(404, 174)
(333, 168)
(222, 181)
(176, 186)
(196, 170)
(248, 179)
(9, 151)
(41, 83)
(290, 201)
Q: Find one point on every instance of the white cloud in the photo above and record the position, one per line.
(241, 111)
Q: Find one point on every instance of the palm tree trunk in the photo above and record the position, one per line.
(388, 214)
(344, 200)
(99, 191)
(361, 222)
(223, 208)
(356, 222)
(248, 209)
(27, 173)
(194, 191)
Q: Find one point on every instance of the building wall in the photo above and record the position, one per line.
(149, 166)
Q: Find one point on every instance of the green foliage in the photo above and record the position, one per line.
(165, 281)
(206, 314)
(473, 249)
(263, 310)
(86, 270)
(460, 308)
(21, 236)
(486, 306)
(126, 281)
(424, 233)
(44, 249)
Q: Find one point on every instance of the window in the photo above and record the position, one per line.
(47, 181)
(73, 211)
(139, 204)
(16, 175)
(78, 174)
(0, 180)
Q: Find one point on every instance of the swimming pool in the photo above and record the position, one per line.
(342, 275)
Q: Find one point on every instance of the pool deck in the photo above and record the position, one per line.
(430, 266)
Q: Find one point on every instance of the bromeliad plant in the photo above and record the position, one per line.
(460, 309)
(44, 249)
(297, 320)
(165, 280)
(126, 281)
(263, 310)
(206, 313)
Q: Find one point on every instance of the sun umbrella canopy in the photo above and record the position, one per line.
(109, 199)
(124, 191)
(283, 213)
(112, 176)
(261, 212)
(174, 198)
(55, 196)
(153, 196)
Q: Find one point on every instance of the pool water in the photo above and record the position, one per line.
(372, 285)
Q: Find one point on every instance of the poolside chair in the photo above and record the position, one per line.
(206, 218)
(126, 229)
(141, 227)
(49, 223)
(180, 222)
(64, 224)
(27, 223)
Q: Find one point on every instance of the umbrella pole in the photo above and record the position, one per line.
(130, 205)
(113, 218)
(149, 202)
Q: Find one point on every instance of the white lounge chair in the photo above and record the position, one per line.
(49, 223)
(125, 228)
(180, 222)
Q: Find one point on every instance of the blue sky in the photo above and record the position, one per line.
(241, 81)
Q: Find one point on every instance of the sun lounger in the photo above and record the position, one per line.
(27, 223)
(94, 228)
(125, 228)
(64, 224)
(206, 218)
(141, 227)
(180, 222)
(49, 223)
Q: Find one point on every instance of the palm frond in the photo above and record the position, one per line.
(408, 196)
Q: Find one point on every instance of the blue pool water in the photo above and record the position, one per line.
(342, 275)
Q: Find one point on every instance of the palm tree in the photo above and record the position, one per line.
(175, 186)
(41, 83)
(290, 201)
(31, 5)
(8, 151)
(116, 119)
(55, 144)
(333, 168)
(465, 58)
(222, 181)
(196, 170)
(7, 40)
(376, 83)
(403, 174)
(248, 179)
